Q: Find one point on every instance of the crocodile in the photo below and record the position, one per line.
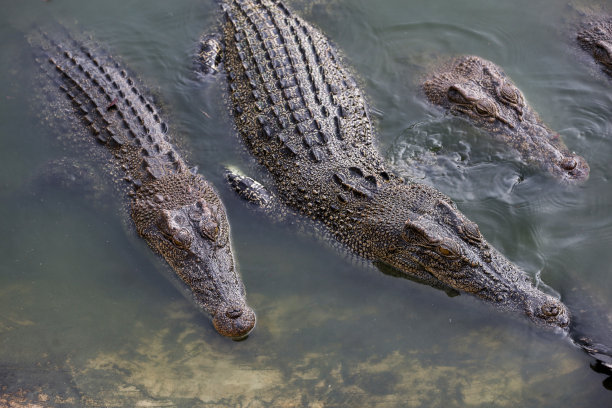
(595, 37)
(174, 209)
(479, 90)
(301, 113)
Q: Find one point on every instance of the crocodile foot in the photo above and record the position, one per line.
(210, 54)
(249, 189)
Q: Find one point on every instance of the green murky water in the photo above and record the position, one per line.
(89, 318)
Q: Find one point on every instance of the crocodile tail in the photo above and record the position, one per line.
(110, 104)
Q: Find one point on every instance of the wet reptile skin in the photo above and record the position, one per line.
(479, 90)
(595, 37)
(302, 115)
(177, 212)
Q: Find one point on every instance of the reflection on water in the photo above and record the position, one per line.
(89, 317)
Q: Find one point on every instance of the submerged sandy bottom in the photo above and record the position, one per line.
(176, 366)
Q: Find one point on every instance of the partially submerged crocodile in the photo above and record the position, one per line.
(301, 113)
(595, 37)
(176, 211)
(479, 90)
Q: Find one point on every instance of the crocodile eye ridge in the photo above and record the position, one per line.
(455, 95)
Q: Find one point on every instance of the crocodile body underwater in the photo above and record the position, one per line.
(302, 115)
(177, 212)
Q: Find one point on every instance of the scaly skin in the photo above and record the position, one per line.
(479, 90)
(178, 213)
(302, 115)
(595, 37)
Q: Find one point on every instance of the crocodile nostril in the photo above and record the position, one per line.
(235, 322)
(568, 163)
(550, 310)
(233, 313)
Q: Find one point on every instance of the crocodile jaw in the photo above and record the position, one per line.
(222, 293)
(224, 296)
(506, 285)
(539, 144)
(492, 278)
(216, 286)
(208, 268)
(422, 234)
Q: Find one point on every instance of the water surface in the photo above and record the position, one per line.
(90, 318)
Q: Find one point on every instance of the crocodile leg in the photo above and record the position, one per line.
(251, 190)
(210, 56)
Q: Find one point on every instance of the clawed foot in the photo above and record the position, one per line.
(249, 189)
(210, 54)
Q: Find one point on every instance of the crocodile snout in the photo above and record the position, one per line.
(235, 321)
(575, 168)
(549, 311)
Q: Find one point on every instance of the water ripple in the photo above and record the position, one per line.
(455, 157)
(424, 37)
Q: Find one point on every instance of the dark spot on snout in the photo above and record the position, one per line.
(233, 313)
(550, 310)
(575, 167)
(544, 309)
(568, 163)
(234, 321)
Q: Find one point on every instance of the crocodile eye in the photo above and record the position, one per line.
(601, 52)
(170, 227)
(448, 251)
(208, 220)
(182, 238)
(485, 108)
(444, 251)
(471, 231)
(455, 95)
(209, 229)
(166, 224)
(509, 94)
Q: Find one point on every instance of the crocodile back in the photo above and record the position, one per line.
(113, 107)
(298, 109)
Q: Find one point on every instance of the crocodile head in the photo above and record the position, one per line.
(193, 237)
(422, 234)
(480, 91)
(595, 37)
